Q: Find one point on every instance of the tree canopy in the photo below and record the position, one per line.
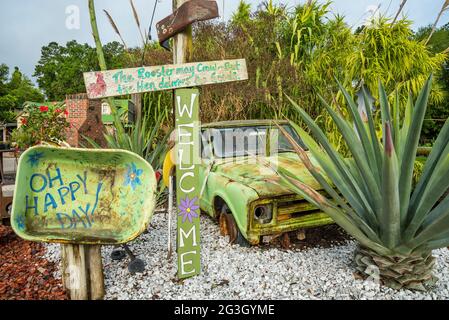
(437, 112)
(15, 90)
(60, 69)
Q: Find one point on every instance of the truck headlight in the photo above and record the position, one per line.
(263, 214)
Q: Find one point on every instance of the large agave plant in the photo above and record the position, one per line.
(397, 226)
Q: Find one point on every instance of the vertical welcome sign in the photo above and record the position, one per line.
(187, 182)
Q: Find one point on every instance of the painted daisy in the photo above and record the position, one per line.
(187, 209)
(132, 176)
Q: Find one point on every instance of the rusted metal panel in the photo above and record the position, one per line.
(82, 196)
(190, 12)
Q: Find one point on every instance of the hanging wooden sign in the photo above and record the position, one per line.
(187, 14)
(102, 84)
(188, 183)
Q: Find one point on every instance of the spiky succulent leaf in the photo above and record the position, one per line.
(411, 146)
(372, 134)
(361, 131)
(403, 228)
(353, 195)
(358, 151)
(336, 213)
(439, 151)
(302, 154)
(390, 219)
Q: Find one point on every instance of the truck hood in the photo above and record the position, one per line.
(255, 175)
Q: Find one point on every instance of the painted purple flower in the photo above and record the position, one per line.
(132, 176)
(187, 209)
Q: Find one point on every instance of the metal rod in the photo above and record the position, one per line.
(170, 210)
(129, 252)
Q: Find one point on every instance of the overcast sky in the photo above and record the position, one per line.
(27, 25)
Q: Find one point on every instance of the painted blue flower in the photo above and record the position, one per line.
(34, 158)
(20, 222)
(132, 176)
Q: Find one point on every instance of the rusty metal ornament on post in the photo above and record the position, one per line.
(187, 14)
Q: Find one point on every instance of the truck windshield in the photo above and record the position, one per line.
(249, 141)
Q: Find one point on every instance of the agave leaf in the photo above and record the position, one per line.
(373, 136)
(91, 142)
(439, 150)
(354, 196)
(441, 241)
(302, 154)
(332, 154)
(411, 145)
(365, 144)
(395, 121)
(437, 186)
(435, 225)
(327, 187)
(405, 125)
(356, 149)
(385, 108)
(337, 214)
(390, 218)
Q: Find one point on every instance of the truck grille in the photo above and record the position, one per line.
(292, 209)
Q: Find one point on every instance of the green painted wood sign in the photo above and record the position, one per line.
(188, 184)
(101, 84)
(82, 196)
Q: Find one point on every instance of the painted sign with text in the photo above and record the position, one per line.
(168, 77)
(82, 196)
(187, 182)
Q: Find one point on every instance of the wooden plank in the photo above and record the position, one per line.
(82, 271)
(188, 184)
(111, 83)
(186, 14)
(74, 272)
(95, 268)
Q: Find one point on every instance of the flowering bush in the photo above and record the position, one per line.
(43, 123)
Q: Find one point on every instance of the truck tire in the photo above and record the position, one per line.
(229, 227)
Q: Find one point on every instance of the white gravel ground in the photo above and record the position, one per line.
(233, 272)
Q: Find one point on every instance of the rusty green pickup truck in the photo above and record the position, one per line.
(238, 188)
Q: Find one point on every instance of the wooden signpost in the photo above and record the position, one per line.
(188, 184)
(181, 74)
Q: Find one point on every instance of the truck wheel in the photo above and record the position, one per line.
(229, 227)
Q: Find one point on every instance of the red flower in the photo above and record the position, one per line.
(158, 176)
(58, 110)
(24, 121)
(43, 108)
(66, 112)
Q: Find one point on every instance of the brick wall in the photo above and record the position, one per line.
(85, 120)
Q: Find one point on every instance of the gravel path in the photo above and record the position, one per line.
(233, 272)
